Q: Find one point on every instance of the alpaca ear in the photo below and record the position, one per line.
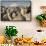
(22, 11)
(29, 9)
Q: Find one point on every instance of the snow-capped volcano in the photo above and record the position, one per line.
(13, 4)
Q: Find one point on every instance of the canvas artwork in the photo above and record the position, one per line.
(15, 10)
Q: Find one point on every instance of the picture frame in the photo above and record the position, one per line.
(15, 10)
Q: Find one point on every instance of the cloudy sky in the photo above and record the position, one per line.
(12, 2)
(15, 0)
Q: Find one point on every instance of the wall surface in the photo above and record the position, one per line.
(28, 28)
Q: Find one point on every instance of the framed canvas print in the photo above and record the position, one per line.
(15, 10)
